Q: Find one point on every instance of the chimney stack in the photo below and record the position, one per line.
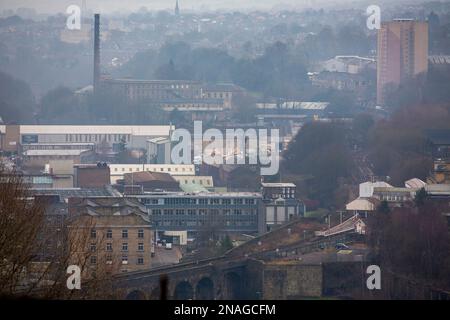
(96, 51)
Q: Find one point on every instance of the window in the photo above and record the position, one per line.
(93, 260)
(93, 247)
(140, 260)
(249, 201)
(109, 234)
(124, 259)
(141, 233)
(125, 246)
(93, 233)
(108, 259)
(109, 246)
(140, 246)
(125, 233)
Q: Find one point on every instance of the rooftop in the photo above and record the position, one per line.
(146, 176)
(125, 80)
(200, 195)
(415, 183)
(159, 140)
(193, 188)
(224, 87)
(60, 144)
(96, 129)
(55, 152)
(278, 185)
(295, 105)
(65, 193)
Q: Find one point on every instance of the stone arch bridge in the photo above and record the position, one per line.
(210, 279)
(238, 275)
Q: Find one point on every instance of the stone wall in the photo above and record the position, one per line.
(291, 280)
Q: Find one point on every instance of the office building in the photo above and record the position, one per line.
(235, 212)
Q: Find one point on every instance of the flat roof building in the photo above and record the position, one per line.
(132, 136)
(226, 212)
(153, 90)
(402, 54)
(118, 170)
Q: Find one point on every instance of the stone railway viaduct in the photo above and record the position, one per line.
(233, 276)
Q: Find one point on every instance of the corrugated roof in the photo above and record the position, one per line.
(415, 183)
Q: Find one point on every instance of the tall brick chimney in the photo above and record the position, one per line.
(96, 51)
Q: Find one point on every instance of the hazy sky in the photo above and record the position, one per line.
(108, 6)
(53, 6)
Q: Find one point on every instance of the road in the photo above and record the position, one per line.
(363, 168)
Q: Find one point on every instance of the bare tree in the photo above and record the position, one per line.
(34, 254)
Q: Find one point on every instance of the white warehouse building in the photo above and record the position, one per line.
(133, 136)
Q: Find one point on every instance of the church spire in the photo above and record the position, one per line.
(177, 9)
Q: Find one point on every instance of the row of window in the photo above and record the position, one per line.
(178, 223)
(124, 260)
(147, 86)
(201, 181)
(109, 233)
(394, 198)
(217, 95)
(162, 169)
(98, 137)
(201, 201)
(109, 246)
(202, 212)
(203, 105)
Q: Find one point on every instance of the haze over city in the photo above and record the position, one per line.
(221, 150)
(109, 6)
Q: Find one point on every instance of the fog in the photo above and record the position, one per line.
(109, 6)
